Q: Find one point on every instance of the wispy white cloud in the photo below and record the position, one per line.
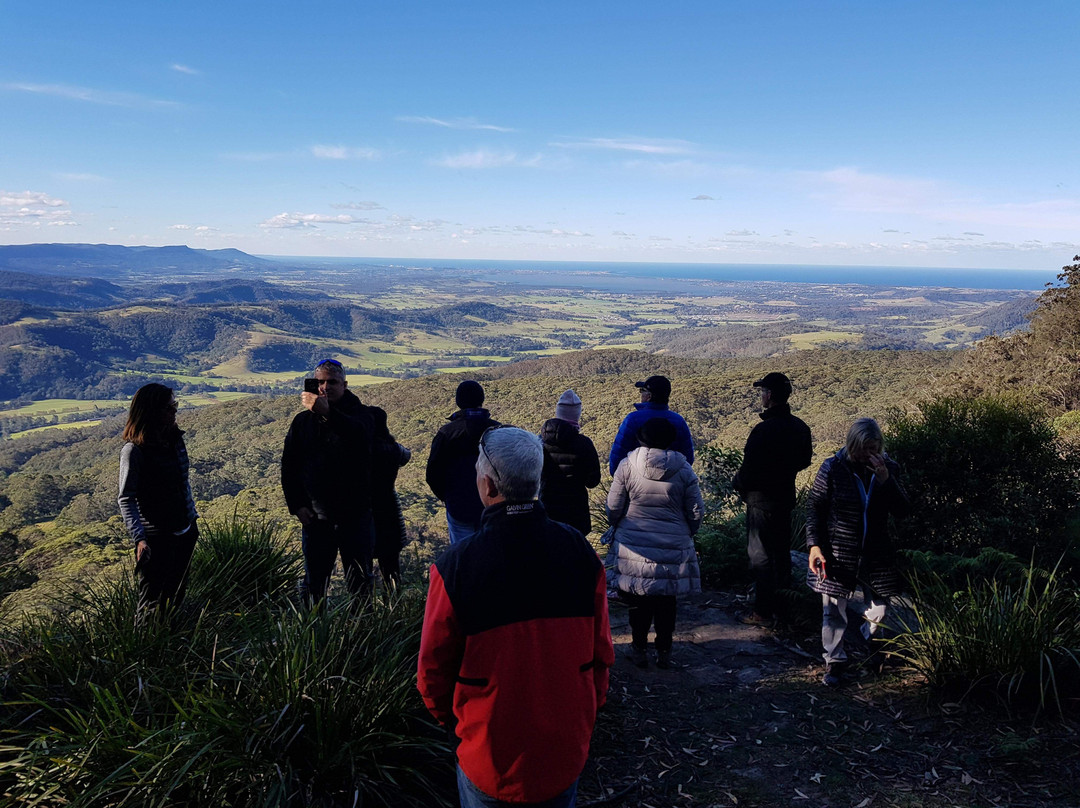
(90, 95)
(702, 198)
(300, 220)
(641, 145)
(200, 228)
(483, 158)
(685, 168)
(356, 206)
(851, 189)
(190, 71)
(454, 123)
(324, 152)
(742, 233)
(13, 199)
(32, 209)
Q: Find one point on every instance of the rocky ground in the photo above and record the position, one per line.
(746, 722)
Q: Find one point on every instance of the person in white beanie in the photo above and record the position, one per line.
(571, 465)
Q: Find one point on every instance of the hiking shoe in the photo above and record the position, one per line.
(637, 656)
(755, 619)
(834, 674)
(663, 660)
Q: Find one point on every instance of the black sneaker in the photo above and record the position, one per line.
(663, 660)
(637, 656)
(834, 674)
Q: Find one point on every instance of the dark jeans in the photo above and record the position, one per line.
(644, 610)
(322, 541)
(768, 543)
(472, 797)
(162, 576)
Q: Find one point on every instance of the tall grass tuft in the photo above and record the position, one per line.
(241, 562)
(1018, 640)
(240, 699)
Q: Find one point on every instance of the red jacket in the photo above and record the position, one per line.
(515, 651)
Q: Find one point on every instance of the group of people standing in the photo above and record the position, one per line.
(516, 643)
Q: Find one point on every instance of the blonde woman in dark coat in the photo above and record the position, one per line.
(847, 535)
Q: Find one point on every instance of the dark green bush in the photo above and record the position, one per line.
(983, 472)
(716, 469)
(721, 549)
(956, 571)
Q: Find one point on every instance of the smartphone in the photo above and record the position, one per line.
(311, 386)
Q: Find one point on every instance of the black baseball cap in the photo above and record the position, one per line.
(776, 383)
(659, 386)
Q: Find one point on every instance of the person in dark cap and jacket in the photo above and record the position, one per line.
(655, 392)
(571, 465)
(451, 472)
(778, 448)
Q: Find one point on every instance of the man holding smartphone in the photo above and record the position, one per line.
(325, 475)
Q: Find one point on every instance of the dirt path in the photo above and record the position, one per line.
(747, 722)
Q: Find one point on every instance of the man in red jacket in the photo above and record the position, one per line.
(516, 644)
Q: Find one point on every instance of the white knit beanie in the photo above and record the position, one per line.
(568, 407)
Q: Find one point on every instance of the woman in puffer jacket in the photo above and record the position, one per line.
(655, 507)
(847, 535)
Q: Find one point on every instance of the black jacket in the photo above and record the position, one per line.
(571, 465)
(778, 448)
(326, 462)
(451, 466)
(847, 515)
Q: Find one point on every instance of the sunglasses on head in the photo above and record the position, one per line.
(333, 362)
(483, 450)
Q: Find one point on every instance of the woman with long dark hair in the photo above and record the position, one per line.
(155, 497)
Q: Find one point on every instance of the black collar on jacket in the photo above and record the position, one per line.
(776, 410)
(472, 412)
(512, 515)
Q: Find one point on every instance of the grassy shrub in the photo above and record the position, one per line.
(246, 701)
(240, 562)
(983, 472)
(721, 549)
(1020, 641)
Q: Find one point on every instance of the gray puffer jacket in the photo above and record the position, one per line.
(655, 504)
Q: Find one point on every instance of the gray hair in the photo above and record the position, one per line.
(513, 459)
(862, 432)
(331, 366)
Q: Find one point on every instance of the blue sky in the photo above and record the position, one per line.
(902, 133)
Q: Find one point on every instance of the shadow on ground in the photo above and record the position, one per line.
(745, 721)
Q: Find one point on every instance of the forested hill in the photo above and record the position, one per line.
(58, 521)
(114, 262)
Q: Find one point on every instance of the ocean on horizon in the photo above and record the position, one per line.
(655, 276)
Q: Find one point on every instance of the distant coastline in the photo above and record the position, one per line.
(657, 276)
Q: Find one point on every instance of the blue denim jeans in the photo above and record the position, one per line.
(459, 530)
(472, 797)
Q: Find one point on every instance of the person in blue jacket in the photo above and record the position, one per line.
(655, 392)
